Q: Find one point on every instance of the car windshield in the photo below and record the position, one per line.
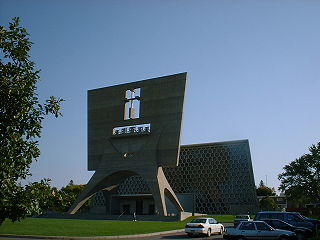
(199, 220)
(295, 218)
(304, 217)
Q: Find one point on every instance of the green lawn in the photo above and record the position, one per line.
(76, 227)
(221, 218)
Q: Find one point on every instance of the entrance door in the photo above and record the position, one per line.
(139, 207)
(151, 209)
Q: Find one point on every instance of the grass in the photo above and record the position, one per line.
(77, 227)
(220, 218)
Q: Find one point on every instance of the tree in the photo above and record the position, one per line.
(52, 199)
(69, 195)
(267, 204)
(263, 190)
(38, 195)
(301, 177)
(21, 116)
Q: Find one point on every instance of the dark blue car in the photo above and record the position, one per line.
(293, 218)
(301, 232)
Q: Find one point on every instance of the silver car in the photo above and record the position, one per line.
(257, 230)
(205, 226)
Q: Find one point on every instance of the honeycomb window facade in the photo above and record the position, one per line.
(218, 177)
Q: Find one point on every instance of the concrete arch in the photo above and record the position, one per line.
(173, 198)
(99, 181)
(159, 186)
(155, 178)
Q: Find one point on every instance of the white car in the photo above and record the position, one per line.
(205, 226)
(257, 230)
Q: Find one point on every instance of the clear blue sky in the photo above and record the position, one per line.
(253, 71)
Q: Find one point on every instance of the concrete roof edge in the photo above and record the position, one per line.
(139, 81)
(216, 143)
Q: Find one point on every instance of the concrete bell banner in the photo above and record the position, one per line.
(134, 129)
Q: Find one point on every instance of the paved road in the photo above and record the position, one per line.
(176, 236)
(173, 236)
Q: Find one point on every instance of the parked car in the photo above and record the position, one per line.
(205, 226)
(292, 218)
(257, 230)
(312, 220)
(241, 218)
(301, 232)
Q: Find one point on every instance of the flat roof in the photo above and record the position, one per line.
(215, 143)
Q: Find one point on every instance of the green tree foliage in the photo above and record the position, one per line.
(53, 199)
(39, 194)
(21, 116)
(69, 195)
(301, 177)
(267, 204)
(263, 190)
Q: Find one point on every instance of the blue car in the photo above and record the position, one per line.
(293, 218)
(301, 232)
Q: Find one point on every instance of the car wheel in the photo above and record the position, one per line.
(209, 232)
(189, 234)
(241, 238)
(283, 238)
(221, 231)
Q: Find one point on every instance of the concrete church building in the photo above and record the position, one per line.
(140, 167)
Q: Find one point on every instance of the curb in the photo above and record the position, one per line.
(97, 237)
